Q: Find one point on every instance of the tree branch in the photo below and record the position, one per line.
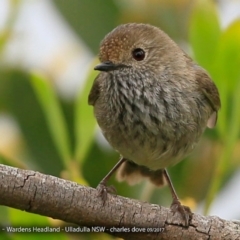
(57, 198)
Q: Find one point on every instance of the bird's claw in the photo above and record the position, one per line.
(183, 210)
(103, 190)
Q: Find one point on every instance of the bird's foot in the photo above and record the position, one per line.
(183, 210)
(103, 190)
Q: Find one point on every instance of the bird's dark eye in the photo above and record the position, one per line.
(138, 54)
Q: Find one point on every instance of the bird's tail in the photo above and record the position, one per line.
(133, 174)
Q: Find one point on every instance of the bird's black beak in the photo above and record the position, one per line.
(107, 66)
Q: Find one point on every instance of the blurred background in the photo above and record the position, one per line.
(47, 53)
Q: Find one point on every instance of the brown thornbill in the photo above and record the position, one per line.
(152, 103)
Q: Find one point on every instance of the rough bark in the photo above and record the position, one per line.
(58, 198)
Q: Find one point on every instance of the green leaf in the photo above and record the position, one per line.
(84, 120)
(228, 57)
(227, 71)
(204, 33)
(204, 36)
(224, 166)
(53, 113)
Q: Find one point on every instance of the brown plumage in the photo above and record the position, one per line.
(151, 101)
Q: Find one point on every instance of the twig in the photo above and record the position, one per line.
(123, 217)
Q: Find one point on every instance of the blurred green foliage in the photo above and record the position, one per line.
(58, 135)
(91, 20)
(54, 116)
(219, 52)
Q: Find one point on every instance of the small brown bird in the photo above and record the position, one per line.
(152, 103)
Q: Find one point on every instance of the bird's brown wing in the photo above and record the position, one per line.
(94, 92)
(210, 91)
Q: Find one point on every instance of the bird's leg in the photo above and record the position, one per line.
(176, 205)
(102, 187)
